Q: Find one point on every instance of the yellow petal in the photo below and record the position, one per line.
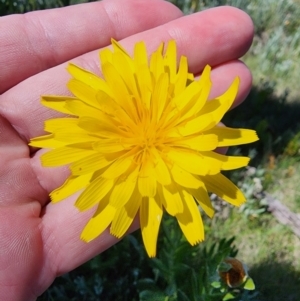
(147, 185)
(171, 198)
(184, 178)
(57, 103)
(83, 92)
(46, 141)
(200, 142)
(150, 218)
(121, 95)
(190, 220)
(170, 60)
(90, 164)
(196, 125)
(99, 222)
(161, 170)
(79, 108)
(191, 161)
(123, 188)
(228, 162)
(125, 68)
(52, 125)
(87, 77)
(160, 92)
(140, 55)
(118, 48)
(93, 193)
(203, 200)
(125, 215)
(73, 136)
(156, 63)
(229, 136)
(220, 105)
(117, 168)
(224, 188)
(71, 185)
(64, 155)
(181, 76)
(108, 146)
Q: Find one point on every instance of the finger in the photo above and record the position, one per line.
(36, 41)
(61, 227)
(198, 36)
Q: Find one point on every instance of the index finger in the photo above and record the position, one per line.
(36, 41)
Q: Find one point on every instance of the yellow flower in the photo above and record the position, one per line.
(142, 140)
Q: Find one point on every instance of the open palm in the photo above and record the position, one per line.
(40, 240)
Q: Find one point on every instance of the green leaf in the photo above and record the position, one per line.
(249, 284)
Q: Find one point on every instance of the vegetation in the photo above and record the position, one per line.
(270, 250)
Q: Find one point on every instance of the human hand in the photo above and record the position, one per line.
(40, 240)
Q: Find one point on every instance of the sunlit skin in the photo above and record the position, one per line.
(40, 240)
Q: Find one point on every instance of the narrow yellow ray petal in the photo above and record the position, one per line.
(185, 101)
(103, 124)
(228, 162)
(87, 77)
(125, 68)
(119, 48)
(74, 136)
(94, 193)
(46, 141)
(117, 168)
(181, 76)
(125, 215)
(122, 94)
(184, 178)
(147, 185)
(220, 105)
(144, 84)
(150, 217)
(161, 172)
(203, 142)
(57, 103)
(156, 63)
(190, 220)
(108, 146)
(140, 55)
(99, 222)
(203, 200)
(52, 125)
(196, 125)
(123, 188)
(83, 92)
(191, 161)
(64, 155)
(224, 188)
(79, 108)
(105, 56)
(71, 185)
(160, 92)
(171, 198)
(229, 136)
(90, 164)
(170, 60)
(205, 86)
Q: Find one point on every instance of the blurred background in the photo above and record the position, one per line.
(263, 233)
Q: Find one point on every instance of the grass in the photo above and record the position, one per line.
(270, 249)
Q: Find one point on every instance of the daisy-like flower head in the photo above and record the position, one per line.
(141, 140)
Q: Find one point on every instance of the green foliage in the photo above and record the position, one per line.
(124, 272)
